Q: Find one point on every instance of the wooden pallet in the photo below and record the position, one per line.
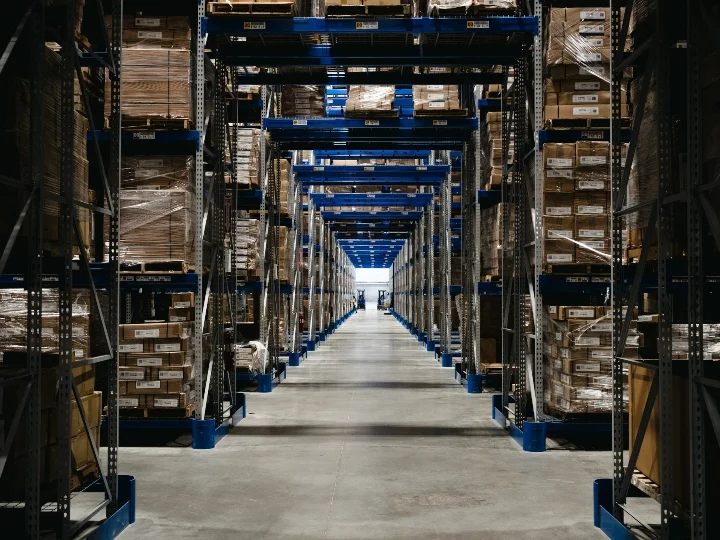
(449, 113)
(494, 368)
(584, 123)
(576, 268)
(160, 267)
(145, 123)
(368, 10)
(389, 113)
(491, 278)
(633, 254)
(264, 9)
(469, 11)
(157, 413)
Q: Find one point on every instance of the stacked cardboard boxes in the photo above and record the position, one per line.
(156, 70)
(578, 64)
(435, 98)
(157, 205)
(16, 137)
(457, 7)
(491, 151)
(302, 101)
(246, 246)
(84, 467)
(578, 358)
(576, 202)
(156, 360)
(366, 100)
(491, 227)
(247, 155)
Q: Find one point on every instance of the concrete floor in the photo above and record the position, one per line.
(369, 438)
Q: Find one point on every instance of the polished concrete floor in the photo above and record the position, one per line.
(369, 438)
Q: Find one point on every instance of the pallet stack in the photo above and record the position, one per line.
(576, 202)
(247, 253)
(491, 225)
(247, 155)
(491, 151)
(437, 100)
(370, 101)
(157, 59)
(577, 90)
(302, 101)
(157, 205)
(156, 372)
(381, 8)
(578, 358)
(271, 8)
(463, 8)
(13, 361)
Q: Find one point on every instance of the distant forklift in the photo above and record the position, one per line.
(361, 299)
(381, 299)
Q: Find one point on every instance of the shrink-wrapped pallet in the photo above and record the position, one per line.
(302, 101)
(364, 100)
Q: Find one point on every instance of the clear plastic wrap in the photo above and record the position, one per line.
(155, 85)
(16, 126)
(578, 358)
(157, 225)
(437, 7)
(364, 99)
(156, 172)
(576, 203)
(491, 151)
(436, 97)
(251, 356)
(154, 32)
(13, 321)
(303, 101)
(711, 341)
(578, 62)
(246, 245)
(491, 228)
(247, 154)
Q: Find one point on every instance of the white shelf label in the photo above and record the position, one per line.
(372, 122)
(368, 25)
(299, 122)
(144, 135)
(254, 26)
(440, 123)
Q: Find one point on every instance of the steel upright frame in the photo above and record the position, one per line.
(655, 59)
(69, 236)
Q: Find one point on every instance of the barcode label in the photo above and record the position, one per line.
(299, 122)
(254, 26)
(130, 347)
(592, 29)
(478, 25)
(591, 209)
(439, 122)
(131, 375)
(176, 374)
(592, 15)
(559, 211)
(581, 313)
(165, 402)
(559, 162)
(167, 347)
(587, 341)
(605, 354)
(587, 368)
(153, 385)
(144, 136)
(181, 305)
(591, 233)
(371, 25)
(586, 98)
(434, 87)
(372, 122)
(149, 35)
(584, 85)
(560, 234)
(151, 361)
(128, 402)
(586, 111)
(140, 334)
(593, 160)
(559, 257)
(145, 21)
(591, 184)
(559, 173)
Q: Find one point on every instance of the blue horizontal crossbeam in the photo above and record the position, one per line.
(349, 154)
(304, 124)
(315, 77)
(384, 227)
(573, 135)
(248, 26)
(405, 215)
(405, 200)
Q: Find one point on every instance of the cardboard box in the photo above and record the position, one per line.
(169, 401)
(559, 252)
(592, 154)
(586, 111)
(181, 315)
(153, 359)
(559, 227)
(182, 300)
(131, 402)
(591, 203)
(558, 204)
(132, 373)
(559, 155)
(591, 227)
(558, 183)
(161, 330)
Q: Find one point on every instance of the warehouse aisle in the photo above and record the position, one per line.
(369, 438)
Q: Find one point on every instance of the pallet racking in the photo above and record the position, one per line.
(37, 273)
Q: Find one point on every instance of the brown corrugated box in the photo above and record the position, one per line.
(152, 359)
(559, 155)
(155, 330)
(591, 202)
(183, 300)
(592, 227)
(559, 227)
(174, 373)
(558, 204)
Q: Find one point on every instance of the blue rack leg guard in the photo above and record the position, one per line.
(310, 346)
(421, 336)
(294, 359)
(430, 345)
(446, 360)
(603, 517)
(264, 382)
(124, 516)
(321, 336)
(474, 383)
(203, 434)
(534, 436)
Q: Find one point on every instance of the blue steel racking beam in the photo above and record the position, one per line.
(348, 154)
(372, 216)
(246, 26)
(419, 200)
(446, 127)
